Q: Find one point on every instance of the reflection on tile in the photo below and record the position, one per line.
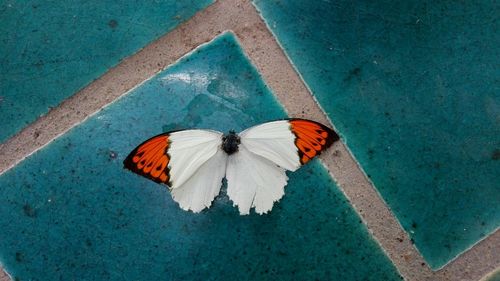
(413, 88)
(72, 210)
(51, 49)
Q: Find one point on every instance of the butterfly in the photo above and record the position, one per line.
(193, 163)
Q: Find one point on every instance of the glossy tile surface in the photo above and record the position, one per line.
(51, 49)
(412, 86)
(71, 210)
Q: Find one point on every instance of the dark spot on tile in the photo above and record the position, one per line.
(353, 73)
(29, 211)
(371, 152)
(494, 156)
(19, 257)
(39, 63)
(113, 24)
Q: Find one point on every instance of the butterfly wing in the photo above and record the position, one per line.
(150, 159)
(256, 174)
(189, 149)
(254, 181)
(198, 192)
(273, 141)
(191, 161)
(311, 138)
(288, 143)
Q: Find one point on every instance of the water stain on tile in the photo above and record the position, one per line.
(50, 50)
(71, 210)
(411, 86)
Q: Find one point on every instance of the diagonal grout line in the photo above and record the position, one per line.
(117, 81)
(265, 53)
(281, 76)
(490, 275)
(476, 262)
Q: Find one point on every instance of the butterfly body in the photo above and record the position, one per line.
(254, 162)
(230, 142)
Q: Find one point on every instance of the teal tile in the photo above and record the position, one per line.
(71, 210)
(51, 49)
(412, 86)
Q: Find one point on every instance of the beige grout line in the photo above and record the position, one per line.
(288, 86)
(476, 262)
(4, 276)
(490, 275)
(113, 84)
(263, 50)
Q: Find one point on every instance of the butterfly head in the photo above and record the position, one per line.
(230, 142)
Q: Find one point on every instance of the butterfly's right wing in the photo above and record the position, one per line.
(289, 143)
(256, 173)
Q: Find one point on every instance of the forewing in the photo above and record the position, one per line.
(254, 181)
(188, 150)
(172, 158)
(288, 143)
(311, 138)
(150, 159)
(273, 141)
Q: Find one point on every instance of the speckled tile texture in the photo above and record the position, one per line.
(412, 88)
(71, 210)
(51, 49)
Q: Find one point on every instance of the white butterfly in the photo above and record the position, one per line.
(194, 162)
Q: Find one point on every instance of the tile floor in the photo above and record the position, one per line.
(52, 49)
(78, 214)
(411, 87)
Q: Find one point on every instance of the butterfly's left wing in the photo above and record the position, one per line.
(256, 174)
(190, 162)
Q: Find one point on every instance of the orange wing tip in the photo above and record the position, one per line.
(150, 159)
(311, 138)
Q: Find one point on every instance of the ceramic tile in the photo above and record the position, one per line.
(71, 210)
(412, 86)
(51, 49)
